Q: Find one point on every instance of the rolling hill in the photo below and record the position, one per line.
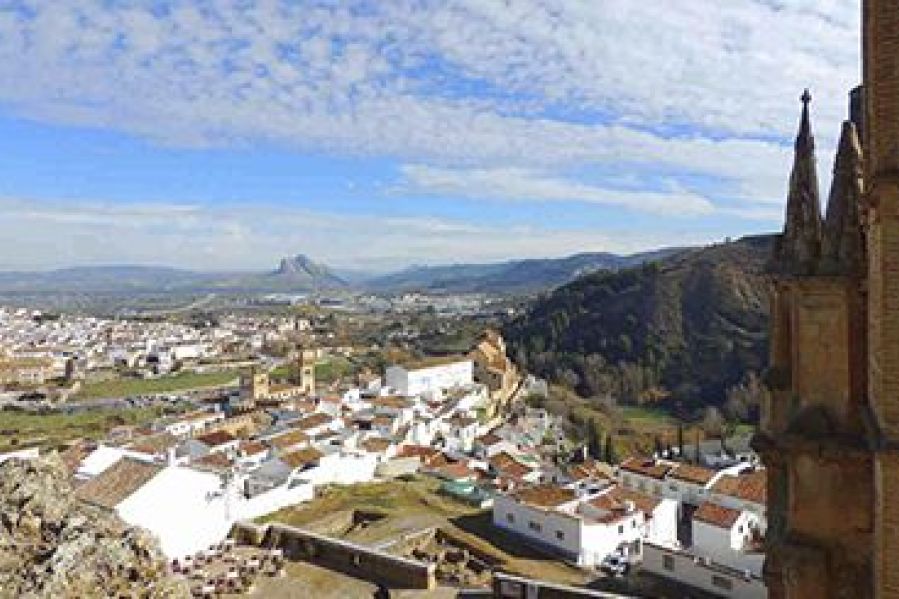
(688, 326)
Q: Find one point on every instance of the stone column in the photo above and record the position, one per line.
(881, 82)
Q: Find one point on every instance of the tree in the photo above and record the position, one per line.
(594, 439)
(609, 451)
(713, 422)
(658, 446)
(680, 439)
(697, 453)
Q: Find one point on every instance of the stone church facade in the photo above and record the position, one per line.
(830, 433)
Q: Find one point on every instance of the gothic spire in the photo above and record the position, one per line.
(843, 248)
(800, 244)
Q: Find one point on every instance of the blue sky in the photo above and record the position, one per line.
(225, 134)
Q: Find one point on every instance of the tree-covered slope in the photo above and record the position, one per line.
(688, 326)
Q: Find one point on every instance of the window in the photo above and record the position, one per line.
(740, 529)
(633, 524)
(673, 487)
(621, 529)
(722, 582)
(668, 562)
(535, 526)
(560, 535)
(510, 517)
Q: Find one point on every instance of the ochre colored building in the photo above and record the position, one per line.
(830, 434)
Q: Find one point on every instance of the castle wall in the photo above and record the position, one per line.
(354, 560)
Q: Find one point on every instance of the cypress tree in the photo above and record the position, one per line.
(610, 456)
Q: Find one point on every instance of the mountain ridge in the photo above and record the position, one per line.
(301, 273)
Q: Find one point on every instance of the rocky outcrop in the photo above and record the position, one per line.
(52, 545)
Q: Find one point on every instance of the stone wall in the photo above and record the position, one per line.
(506, 586)
(351, 559)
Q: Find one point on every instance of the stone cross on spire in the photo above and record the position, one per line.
(800, 245)
(805, 125)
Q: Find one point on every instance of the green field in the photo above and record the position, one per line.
(326, 371)
(638, 415)
(22, 429)
(183, 381)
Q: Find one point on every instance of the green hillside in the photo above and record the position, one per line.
(683, 329)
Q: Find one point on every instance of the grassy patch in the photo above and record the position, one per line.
(326, 371)
(183, 381)
(418, 495)
(333, 369)
(22, 429)
(414, 505)
(646, 417)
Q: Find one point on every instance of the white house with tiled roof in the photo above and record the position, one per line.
(586, 525)
(186, 508)
(746, 491)
(645, 475)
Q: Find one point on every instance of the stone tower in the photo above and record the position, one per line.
(881, 76)
(830, 434)
(304, 370)
(813, 437)
(254, 385)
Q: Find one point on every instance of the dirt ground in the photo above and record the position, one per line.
(406, 507)
(305, 581)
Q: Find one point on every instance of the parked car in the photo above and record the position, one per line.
(615, 564)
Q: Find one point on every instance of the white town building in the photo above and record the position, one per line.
(430, 378)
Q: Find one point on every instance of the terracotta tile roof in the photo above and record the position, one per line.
(153, 444)
(489, 439)
(748, 487)
(612, 510)
(692, 474)
(313, 421)
(423, 452)
(391, 402)
(307, 407)
(508, 466)
(117, 483)
(289, 439)
(646, 467)
(215, 438)
(544, 495)
(376, 444)
(590, 469)
(250, 448)
(198, 416)
(641, 501)
(302, 457)
(462, 421)
(75, 454)
(716, 515)
(216, 462)
(455, 471)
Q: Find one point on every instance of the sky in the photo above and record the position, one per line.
(375, 134)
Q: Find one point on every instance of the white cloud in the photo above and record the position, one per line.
(517, 184)
(38, 234)
(480, 99)
(360, 77)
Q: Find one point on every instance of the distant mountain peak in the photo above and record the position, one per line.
(303, 268)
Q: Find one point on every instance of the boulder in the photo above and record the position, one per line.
(52, 545)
